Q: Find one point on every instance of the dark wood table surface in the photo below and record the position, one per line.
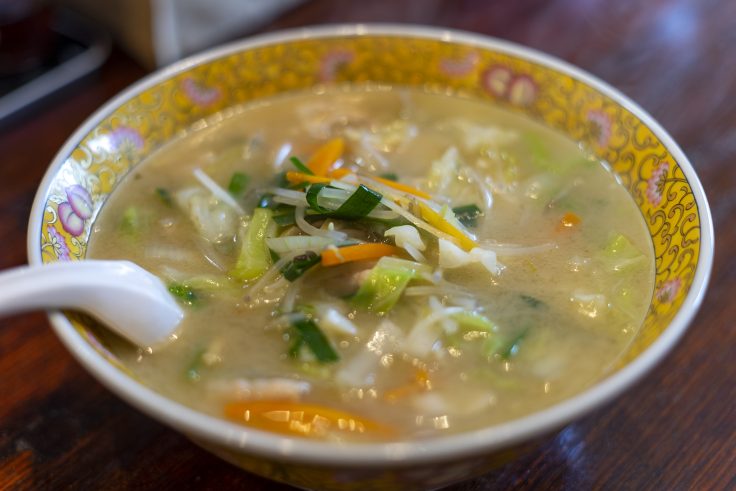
(676, 430)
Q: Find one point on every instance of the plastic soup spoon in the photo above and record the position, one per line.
(125, 297)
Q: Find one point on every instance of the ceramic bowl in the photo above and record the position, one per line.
(135, 123)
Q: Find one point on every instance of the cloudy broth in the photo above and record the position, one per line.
(526, 294)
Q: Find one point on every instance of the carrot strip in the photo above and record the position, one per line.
(421, 382)
(339, 173)
(334, 256)
(436, 220)
(402, 187)
(326, 156)
(300, 418)
(569, 220)
(299, 177)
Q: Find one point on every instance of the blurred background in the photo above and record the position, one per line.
(47, 45)
(60, 60)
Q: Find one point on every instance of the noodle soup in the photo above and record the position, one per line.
(369, 264)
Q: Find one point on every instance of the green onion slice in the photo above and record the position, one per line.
(184, 294)
(299, 265)
(301, 167)
(314, 338)
(359, 204)
(467, 215)
(285, 218)
(165, 196)
(312, 194)
(238, 183)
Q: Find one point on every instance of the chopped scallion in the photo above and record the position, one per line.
(284, 218)
(238, 183)
(299, 265)
(296, 345)
(506, 347)
(532, 301)
(467, 215)
(184, 294)
(195, 366)
(301, 167)
(131, 222)
(390, 176)
(165, 196)
(359, 204)
(312, 194)
(314, 338)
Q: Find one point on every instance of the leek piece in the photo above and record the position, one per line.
(505, 347)
(532, 302)
(184, 293)
(474, 320)
(254, 258)
(468, 215)
(285, 217)
(131, 223)
(238, 183)
(299, 265)
(195, 366)
(300, 166)
(312, 194)
(359, 204)
(309, 334)
(165, 196)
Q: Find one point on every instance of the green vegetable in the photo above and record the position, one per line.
(539, 152)
(620, 254)
(300, 166)
(474, 320)
(165, 196)
(131, 223)
(356, 206)
(266, 201)
(299, 265)
(312, 194)
(238, 183)
(505, 347)
(254, 258)
(468, 215)
(389, 176)
(296, 345)
(307, 332)
(623, 301)
(359, 204)
(385, 283)
(292, 243)
(211, 284)
(195, 367)
(532, 301)
(283, 217)
(184, 293)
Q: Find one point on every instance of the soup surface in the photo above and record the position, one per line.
(432, 264)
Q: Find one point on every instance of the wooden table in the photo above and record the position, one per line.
(60, 429)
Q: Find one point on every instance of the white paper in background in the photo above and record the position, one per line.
(182, 27)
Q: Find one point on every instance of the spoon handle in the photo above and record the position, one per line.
(125, 297)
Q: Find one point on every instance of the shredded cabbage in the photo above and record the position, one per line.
(215, 221)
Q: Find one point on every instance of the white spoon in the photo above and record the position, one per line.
(125, 297)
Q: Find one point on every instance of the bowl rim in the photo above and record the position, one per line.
(442, 448)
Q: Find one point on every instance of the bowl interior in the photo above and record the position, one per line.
(138, 122)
